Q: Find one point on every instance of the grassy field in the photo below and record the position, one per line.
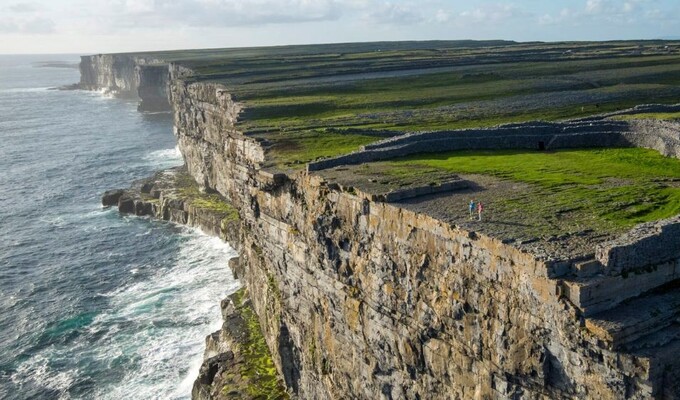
(660, 116)
(325, 100)
(606, 189)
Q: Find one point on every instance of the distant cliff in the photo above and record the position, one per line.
(127, 76)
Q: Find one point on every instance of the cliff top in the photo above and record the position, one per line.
(561, 202)
(308, 102)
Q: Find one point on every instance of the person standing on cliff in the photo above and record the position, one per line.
(472, 208)
(480, 208)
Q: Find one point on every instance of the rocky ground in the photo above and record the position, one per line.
(172, 195)
(555, 234)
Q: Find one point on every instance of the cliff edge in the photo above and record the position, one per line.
(362, 295)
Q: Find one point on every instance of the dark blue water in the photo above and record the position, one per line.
(93, 304)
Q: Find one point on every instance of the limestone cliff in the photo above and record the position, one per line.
(359, 298)
(127, 75)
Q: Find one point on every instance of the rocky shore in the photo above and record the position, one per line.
(172, 195)
(237, 363)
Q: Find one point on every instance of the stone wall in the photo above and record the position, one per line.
(661, 136)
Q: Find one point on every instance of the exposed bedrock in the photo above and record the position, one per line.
(237, 362)
(127, 76)
(172, 195)
(364, 299)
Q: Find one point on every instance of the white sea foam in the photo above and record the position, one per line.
(179, 306)
(153, 330)
(106, 92)
(37, 368)
(25, 90)
(165, 158)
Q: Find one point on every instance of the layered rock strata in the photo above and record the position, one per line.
(360, 298)
(127, 75)
(365, 299)
(172, 195)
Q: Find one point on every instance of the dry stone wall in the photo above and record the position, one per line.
(661, 136)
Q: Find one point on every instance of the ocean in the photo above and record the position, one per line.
(94, 304)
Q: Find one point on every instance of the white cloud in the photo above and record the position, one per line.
(114, 25)
(139, 6)
(22, 8)
(611, 7)
(30, 26)
(595, 6)
(38, 26)
(599, 11)
(219, 13)
(392, 13)
(442, 16)
(493, 13)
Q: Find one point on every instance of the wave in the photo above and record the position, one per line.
(165, 158)
(39, 369)
(148, 342)
(25, 90)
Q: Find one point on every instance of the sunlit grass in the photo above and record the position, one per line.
(619, 187)
(660, 116)
(293, 151)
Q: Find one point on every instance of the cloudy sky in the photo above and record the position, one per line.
(93, 26)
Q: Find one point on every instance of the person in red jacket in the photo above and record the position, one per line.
(480, 208)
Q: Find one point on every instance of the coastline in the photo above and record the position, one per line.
(328, 267)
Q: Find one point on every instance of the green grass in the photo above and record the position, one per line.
(616, 187)
(258, 369)
(189, 191)
(291, 113)
(661, 116)
(293, 151)
(214, 202)
(293, 96)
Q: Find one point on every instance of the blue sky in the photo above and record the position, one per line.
(92, 26)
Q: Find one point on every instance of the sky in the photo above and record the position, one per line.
(102, 26)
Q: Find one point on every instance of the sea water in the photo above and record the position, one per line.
(94, 304)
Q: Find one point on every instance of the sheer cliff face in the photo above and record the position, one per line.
(109, 71)
(367, 300)
(127, 76)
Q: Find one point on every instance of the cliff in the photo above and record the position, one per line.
(360, 297)
(371, 299)
(127, 75)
